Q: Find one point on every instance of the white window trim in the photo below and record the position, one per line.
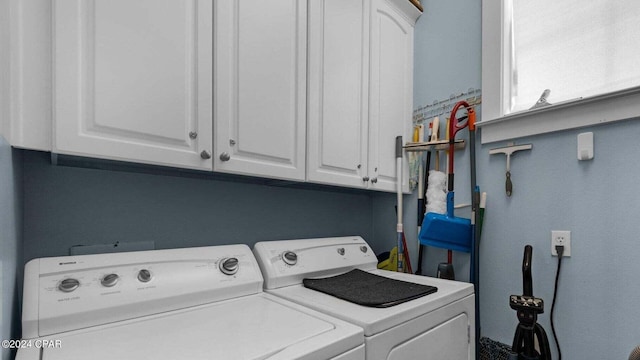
(496, 52)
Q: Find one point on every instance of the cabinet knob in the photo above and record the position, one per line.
(205, 154)
(193, 135)
(374, 180)
(365, 179)
(225, 156)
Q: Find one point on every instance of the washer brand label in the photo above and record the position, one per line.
(67, 263)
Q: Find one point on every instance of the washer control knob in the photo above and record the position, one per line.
(364, 249)
(290, 258)
(341, 251)
(68, 285)
(144, 275)
(229, 266)
(110, 280)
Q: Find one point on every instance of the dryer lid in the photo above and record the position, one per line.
(376, 320)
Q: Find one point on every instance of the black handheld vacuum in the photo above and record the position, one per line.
(529, 332)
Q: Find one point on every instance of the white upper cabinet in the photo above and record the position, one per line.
(360, 90)
(260, 87)
(391, 89)
(26, 30)
(299, 90)
(133, 80)
(338, 92)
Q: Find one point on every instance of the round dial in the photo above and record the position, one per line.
(364, 249)
(289, 257)
(110, 280)
(68, 285)
(144, 275)
(229, 266)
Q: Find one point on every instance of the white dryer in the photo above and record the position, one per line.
(193, 303)
(438, 326)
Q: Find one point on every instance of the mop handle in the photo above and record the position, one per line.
(399, 177)
(399, 227)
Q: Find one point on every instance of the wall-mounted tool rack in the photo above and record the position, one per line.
(433, 145)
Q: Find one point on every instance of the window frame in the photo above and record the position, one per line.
(496, 65)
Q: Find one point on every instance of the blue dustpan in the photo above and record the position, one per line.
(445, 230)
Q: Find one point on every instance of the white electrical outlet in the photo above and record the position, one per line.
(563, 238)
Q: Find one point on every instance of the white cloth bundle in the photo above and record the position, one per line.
(437, 192)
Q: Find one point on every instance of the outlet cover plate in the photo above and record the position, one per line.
(561, 237)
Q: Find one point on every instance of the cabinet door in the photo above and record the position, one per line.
(391, 87)
(338, 92)
(260, 87)
(132, 80)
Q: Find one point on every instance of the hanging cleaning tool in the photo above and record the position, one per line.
(446, 230)
(483, 206)
(437, 199)
(435, 136)
(407, 258)
(453, 127)
(423, 175)
(399, 227)
(406, 267)
(508, 151)
(447, 268)
(421, 209)
(437, 184)
(474, 272)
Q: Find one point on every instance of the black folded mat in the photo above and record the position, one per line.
(367, 289)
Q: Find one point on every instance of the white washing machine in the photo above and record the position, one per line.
(193, 303)
(438, 326)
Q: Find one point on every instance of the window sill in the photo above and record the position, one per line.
(616, 106)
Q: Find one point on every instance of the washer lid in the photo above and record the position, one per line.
(376, 320)
(253, 327)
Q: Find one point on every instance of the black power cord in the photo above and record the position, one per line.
(560, 250)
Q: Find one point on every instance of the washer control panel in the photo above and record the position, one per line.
(287, 262)
(72, 292)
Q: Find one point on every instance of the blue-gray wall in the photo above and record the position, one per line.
(10, 243)
(67, 206)
(596, 313)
